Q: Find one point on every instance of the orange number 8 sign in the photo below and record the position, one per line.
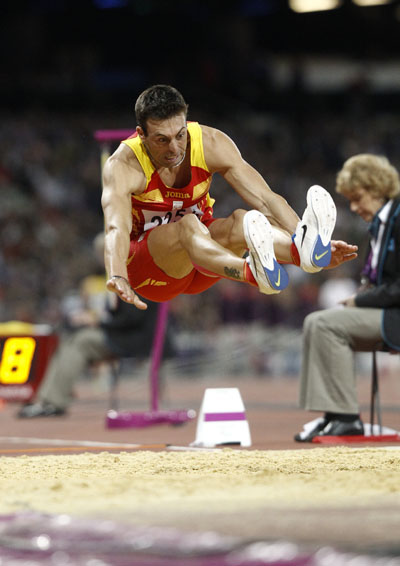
(16, 360)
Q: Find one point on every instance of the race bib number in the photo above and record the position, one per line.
(153, 219)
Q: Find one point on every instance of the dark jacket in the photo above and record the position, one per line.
(130, 331)
(386, 293)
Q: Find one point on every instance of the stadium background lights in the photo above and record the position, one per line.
(371, 2)
(302, 6)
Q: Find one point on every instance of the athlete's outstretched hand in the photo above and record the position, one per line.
(341, 252)
(121, 286)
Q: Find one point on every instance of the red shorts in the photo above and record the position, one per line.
(150, 282)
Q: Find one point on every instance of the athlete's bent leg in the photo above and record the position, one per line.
(176, 248)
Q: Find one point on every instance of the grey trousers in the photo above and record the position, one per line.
(330, 338)
(72, 358)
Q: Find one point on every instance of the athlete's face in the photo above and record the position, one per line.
(363, 203)
(166, 140)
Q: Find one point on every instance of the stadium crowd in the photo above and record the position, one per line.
(50, 207)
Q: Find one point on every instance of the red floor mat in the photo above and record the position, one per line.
(356, 439)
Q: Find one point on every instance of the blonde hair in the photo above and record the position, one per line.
(374, 173)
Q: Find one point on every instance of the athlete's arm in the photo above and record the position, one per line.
(222, 156)
(120, 180)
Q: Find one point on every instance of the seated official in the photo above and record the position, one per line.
(368, 318)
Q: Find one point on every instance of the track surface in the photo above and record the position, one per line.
(271, 410)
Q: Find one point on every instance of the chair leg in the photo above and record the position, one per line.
(114, 382)
(375, 398)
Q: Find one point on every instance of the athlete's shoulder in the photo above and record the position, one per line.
(124, 169)
(219, 148)
(214, 135)
(208, 131)
(123, 157)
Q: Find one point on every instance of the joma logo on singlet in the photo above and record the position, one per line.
(176, 194)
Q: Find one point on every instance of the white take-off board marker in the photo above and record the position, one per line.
(222, 419)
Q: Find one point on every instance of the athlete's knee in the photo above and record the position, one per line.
(190, 225)
(237, 216)
(234, 235)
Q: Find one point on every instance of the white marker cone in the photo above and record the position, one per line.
(222, 419)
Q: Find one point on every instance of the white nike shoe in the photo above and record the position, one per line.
(313, 233)
(271, 277)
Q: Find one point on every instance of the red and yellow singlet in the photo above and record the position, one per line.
(160, 204)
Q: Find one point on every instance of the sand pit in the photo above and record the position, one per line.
(229, 480)
(346, 498)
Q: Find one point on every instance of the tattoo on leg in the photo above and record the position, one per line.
(232, 272)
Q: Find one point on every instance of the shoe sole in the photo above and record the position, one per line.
(315, 234)
(270, 276)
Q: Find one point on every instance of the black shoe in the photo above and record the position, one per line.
(319, 426)
(40, 409)
(342, 428)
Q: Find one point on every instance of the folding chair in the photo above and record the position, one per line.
(375, 397)
(375, 408)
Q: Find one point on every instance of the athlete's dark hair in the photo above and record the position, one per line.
(159, 102)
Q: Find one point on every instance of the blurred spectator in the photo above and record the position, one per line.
(101, 328)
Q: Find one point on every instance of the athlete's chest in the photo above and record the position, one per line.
(171, 193)
(176, 179)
